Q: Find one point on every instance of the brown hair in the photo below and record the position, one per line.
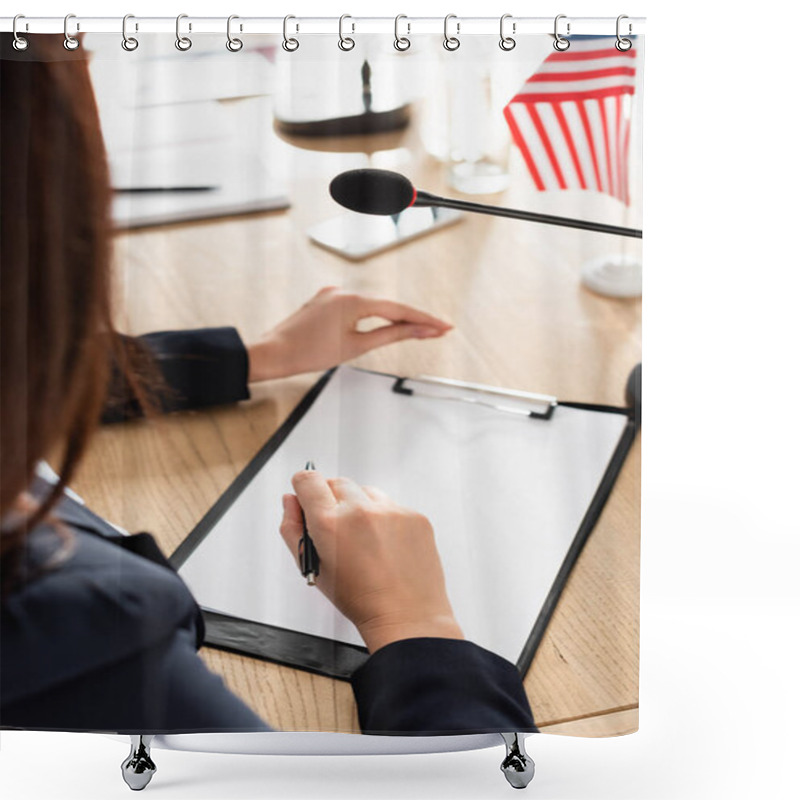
(56, 345)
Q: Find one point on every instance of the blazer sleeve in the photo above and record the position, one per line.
(190, 369)
(429, 686)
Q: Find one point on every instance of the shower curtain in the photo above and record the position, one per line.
(311, 247)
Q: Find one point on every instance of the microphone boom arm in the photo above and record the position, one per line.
(425, 200)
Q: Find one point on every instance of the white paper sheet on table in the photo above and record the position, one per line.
(194, 145)
(505, 493)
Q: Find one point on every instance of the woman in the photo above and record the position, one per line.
(98, 633)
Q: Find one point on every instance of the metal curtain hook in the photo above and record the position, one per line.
(623, 44)
(507, 42)
(70, 42)
(129, 43)
(233, 44)
(182, 42)
(401, 43)
(289, 44)
(451, 42)
(561, 44)
(20, 42)
(345, 42)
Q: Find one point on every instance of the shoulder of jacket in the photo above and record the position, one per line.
(102, 605)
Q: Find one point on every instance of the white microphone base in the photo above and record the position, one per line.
(613, 275)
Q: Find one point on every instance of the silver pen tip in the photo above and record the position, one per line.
(310, 465)
(311, 580)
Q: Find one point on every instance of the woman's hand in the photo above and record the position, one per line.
(378, 561)
(324, 333)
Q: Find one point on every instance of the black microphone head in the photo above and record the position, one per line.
(373, 191)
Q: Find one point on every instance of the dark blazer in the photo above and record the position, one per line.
(103, 636)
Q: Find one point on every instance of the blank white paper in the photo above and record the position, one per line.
(505, 494)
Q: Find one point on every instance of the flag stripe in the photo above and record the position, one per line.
(606, 146)
(547, 144)
(587, 126)
(539, 96)
(625, 148)
(589, 74)
(582, 143)
(580, 67)
(588, 55)
(565, 132)
(618, 160)
(519, 141)
(611, 125)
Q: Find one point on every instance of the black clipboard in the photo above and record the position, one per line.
(337, 659)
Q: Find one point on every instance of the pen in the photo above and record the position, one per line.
(149, 189)
(306, 552)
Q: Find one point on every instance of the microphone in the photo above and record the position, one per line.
(381, 192)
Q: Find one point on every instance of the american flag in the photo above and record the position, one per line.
(572, 119)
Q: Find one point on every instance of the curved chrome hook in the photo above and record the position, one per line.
(346, 42)
(182, 42)
(507, 42)
(451, 43)
(70, 42)
(129, 43)
(233, 44)
(401, 43)
(289, 43)
(561, 44)
(20, 42)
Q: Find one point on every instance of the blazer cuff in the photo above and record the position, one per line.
(431, 686)
(196, 368)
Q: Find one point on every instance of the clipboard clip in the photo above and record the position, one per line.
(528, 404)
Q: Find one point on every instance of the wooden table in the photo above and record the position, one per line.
(522, 320)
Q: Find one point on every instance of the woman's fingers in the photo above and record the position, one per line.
(407, 322)
(314, 494)
(399, 312)
(292, 523)
(374, 493)
(397, 332)
(347, 491)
